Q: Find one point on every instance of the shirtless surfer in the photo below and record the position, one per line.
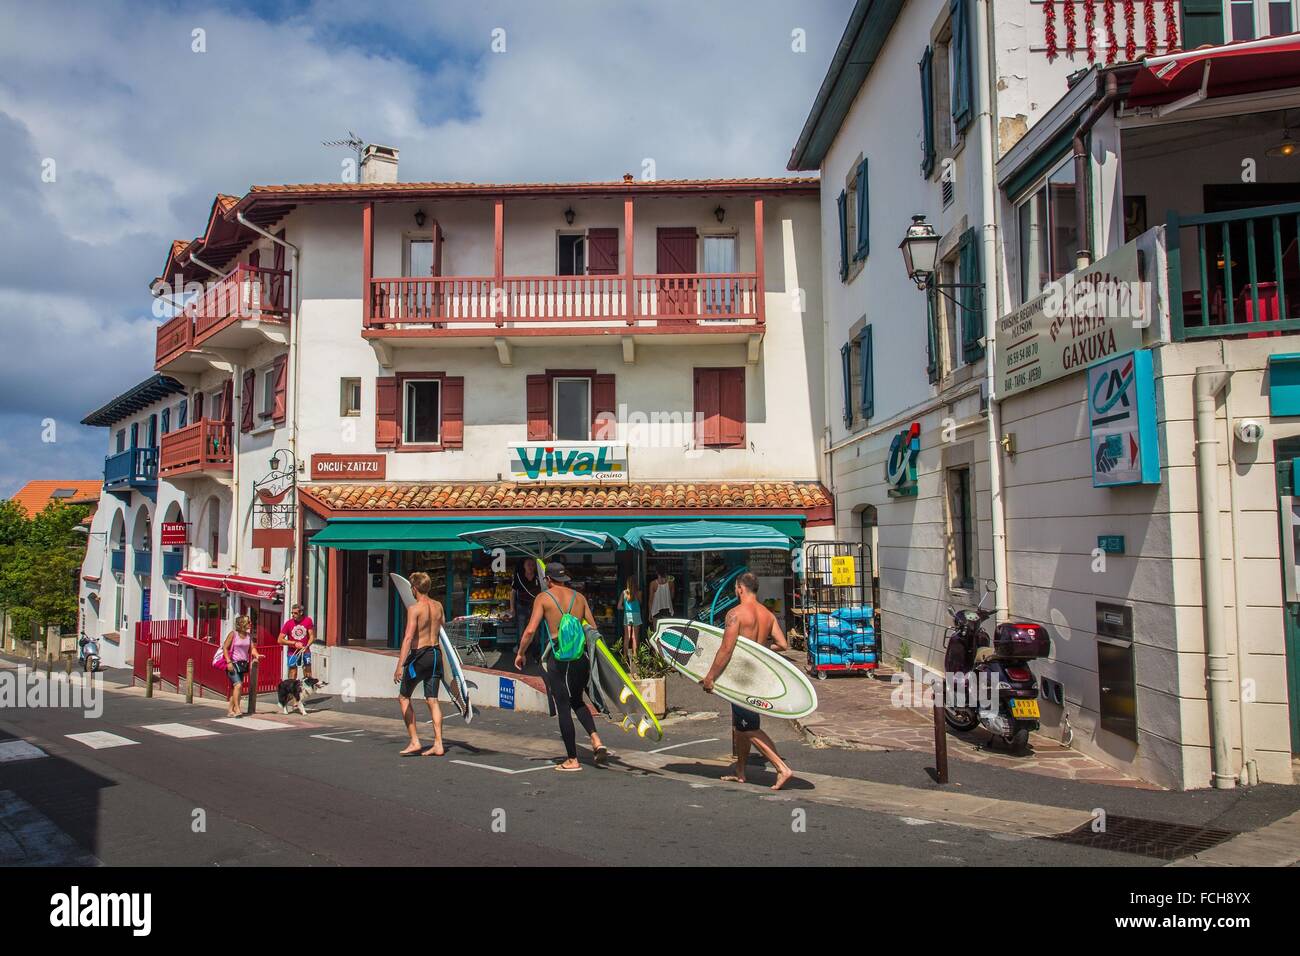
(418, 664)
(749, 619)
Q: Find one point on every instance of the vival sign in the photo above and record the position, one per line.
(1122, 421)
(1084, 317)
(574, 462)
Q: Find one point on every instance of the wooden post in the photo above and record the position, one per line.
(250, 688)
(189, 681)
(334, 597)
(498, 240)
(760, 296)
(629, 250)
(148, 678)
(940, 736)
(67, 664)
(367, 261)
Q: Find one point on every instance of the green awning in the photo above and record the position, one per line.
(443, 534)
(707, 536)
(542, 542)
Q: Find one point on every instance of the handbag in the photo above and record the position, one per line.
(219, 658)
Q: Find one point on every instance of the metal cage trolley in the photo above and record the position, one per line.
(837, 605)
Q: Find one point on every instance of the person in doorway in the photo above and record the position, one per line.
(661, 595)
(523, 593)
(239, 652)
(631, 621)
(752, 620)
(565, 680)
(418, 664)
(297, 634)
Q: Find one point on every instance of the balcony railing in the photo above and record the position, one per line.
(247, 292)
(173, 562)
(203, 446)
(646, 303)
(142, 561)
(175, 338)
(1235, 273)
(117, 560)
(133, 468)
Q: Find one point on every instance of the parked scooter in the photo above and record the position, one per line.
(88, 654)
(975, 663)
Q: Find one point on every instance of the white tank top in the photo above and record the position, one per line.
(663, 599)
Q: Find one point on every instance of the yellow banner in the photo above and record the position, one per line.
(844, 573)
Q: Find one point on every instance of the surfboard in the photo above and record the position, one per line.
(755, 678)
(614, 693)
(453, 674)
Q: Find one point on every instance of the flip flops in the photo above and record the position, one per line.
(601, 756)
(563, 769)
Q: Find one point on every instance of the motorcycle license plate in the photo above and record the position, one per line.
(1024, 708)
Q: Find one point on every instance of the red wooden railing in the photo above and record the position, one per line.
(175, 338)
(247, 292)
(203, 446)
(486, 303)
(170, 647)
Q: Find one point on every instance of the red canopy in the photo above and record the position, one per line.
(265, 589)
(204, 580)
(1234, 68)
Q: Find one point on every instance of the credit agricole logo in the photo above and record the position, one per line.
(569, 462)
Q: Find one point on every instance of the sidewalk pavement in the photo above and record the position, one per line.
(857, 712)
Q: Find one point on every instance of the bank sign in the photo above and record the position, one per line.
(1084, 317)
(574, 462)
(1122, 421)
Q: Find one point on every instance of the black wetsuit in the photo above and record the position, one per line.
(566, 681)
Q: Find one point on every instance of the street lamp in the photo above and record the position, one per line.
(920, 248)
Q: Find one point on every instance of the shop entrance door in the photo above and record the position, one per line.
(1287, 454)
(356, 591)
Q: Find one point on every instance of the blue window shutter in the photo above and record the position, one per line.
(931, 337)
(868, 374)
(843, 203)
(864, 218)
(181, 410)
(166, 420)
(927, 113)
(963, 67)
(972, 312)
(846, 367)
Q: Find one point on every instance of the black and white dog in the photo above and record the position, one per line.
(291, 695)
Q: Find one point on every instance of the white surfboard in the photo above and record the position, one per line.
(755, 678)
(453, 674)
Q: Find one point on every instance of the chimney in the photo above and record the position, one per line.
(379, 164)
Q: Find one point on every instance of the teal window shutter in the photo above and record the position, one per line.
(864, 218)
(931, 337)
(868, 374)
(927, 112)
(963, 65)
(972, 313)
(843, 203)
(846, 367)
(1202, 23)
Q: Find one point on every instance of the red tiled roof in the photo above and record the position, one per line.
(503, 496)
(35, 495)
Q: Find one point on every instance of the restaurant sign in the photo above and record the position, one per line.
(1084, 317)
(348, 467)
(175, 533)
(573, 462)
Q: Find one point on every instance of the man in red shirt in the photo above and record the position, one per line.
(297, 634)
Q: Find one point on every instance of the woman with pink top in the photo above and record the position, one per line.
(239, 651)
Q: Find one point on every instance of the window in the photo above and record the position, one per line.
(961, 527)
(267, 397)
(349, 397)
(858, 367)
(1250, 19)
(421, 411)
(571, 255)
(175, 601)
(719, 258)
(1048, 231)
(571, 401)
(419, 257)
(119, 594)
(720, 407)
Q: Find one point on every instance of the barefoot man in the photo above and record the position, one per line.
(418, 664)
(749, 619)
(565, 680)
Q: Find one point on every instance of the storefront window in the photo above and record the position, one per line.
(1048, 231)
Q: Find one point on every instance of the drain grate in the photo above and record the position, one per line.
(1165, 841)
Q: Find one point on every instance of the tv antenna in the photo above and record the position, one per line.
(353, 142)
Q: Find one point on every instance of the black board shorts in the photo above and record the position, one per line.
(744, 720)
(420, 667)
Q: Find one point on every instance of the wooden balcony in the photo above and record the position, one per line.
(198, 449)
(175, 341)
(245, 308)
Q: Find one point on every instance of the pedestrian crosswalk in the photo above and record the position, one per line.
(104, 740)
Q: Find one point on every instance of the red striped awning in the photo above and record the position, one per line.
(265, 589)
(1232, 69)
(204, 580)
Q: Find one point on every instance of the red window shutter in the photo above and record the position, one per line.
(198, 407)
(453, 412)
(255, 259)
(706, 406)
(539, 407)
(731, 407)
(386, 412)
(602, 252)
(228, 401)
(604, 412)
(279, 411)
(246, 401)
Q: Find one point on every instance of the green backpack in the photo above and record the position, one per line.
(570, 643)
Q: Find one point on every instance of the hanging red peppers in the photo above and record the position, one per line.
(1049, 12)
(1108, 17)
(1070, 40)
(1171, 26)
(1130, 44)
(1090, 29)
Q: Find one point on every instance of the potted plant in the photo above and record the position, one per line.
(650, 672)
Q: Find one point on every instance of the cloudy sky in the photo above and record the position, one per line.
(117, 133)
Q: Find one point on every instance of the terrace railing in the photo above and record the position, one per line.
(203, 446)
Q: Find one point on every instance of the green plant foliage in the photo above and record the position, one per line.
(39, 561)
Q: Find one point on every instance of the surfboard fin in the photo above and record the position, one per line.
(624, 694)
(642, 727)
(626, 724)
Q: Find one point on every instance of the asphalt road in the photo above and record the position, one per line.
(331, 790)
